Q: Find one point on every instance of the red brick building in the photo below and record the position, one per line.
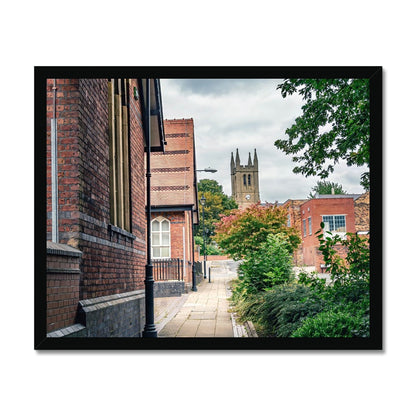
(336, 212)
(341, 214)
(362, 213)
(174, 199)
(294, 220)
(96, 225)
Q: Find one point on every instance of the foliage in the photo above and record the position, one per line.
(246, 305)
(332, 324)
(325, 188)
(285, 307)
(217, 204)
(357, 263)
(335, 125)
(347, 299)
(243, 231)
(311, 280)
(310, 307)
(269, 266)
(212, 249)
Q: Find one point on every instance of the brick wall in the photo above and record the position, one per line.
(113, 260)
(362, 212)
(67, 114)
(62, 285)
(173, 172)
(292, 206)
(315, 209)
(178, 222)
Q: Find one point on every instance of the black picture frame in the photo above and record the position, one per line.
(374, 342)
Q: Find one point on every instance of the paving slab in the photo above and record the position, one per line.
(204, 313)
(206, 328)
(188, 329)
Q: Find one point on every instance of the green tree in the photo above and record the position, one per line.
(217, 204)
(325, 188)
(335, 125)
(243, 231)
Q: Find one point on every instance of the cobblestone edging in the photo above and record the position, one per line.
(244, 330)
(239, 330)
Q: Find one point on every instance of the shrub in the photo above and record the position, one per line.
(347, 296)
(269, 266)
(246, 305)
(332, 324)
(280, 307)
(357, 263)
(311, 280)
(284, 308)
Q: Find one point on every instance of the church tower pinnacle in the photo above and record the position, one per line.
(237, 159)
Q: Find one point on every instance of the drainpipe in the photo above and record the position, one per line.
(194, 288)
(54, 168)
(184, 250)
(149, 330)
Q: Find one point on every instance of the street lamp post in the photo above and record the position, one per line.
(207, 170)
(149, 330)
(203, 200)
(194, 288)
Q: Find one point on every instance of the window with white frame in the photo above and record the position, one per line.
(334, 223)
(310, 225)
(288, 220)
(304, 227)
(160, 238)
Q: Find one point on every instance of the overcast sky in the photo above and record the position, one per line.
(245, 114)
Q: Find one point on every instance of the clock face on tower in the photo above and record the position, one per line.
(247, 197)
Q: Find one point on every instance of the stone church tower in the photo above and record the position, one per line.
(245, 181)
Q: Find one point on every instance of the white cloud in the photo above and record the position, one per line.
(245, 114)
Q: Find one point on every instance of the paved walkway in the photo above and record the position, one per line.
(204, 313)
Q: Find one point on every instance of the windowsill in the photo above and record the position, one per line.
(116, 230)
(341, 234)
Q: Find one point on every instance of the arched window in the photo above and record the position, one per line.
(244, 179)
(249, 180)
(160, 238)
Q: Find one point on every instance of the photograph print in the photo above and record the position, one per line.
(208, 208)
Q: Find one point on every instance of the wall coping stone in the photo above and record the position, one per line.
(69, 330)
(62, 250)
(102, 302)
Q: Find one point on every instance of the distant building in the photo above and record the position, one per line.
(340, 214)
(294, 219)
(174, 199)
(337, 213)
(362, 213)
(245, 180)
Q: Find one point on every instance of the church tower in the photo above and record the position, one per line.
(245, 180)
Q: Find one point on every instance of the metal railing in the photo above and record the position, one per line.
(198, 267)
(167, 269)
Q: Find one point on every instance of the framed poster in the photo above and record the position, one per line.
(259, 234)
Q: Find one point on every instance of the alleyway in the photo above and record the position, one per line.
(204, 313)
